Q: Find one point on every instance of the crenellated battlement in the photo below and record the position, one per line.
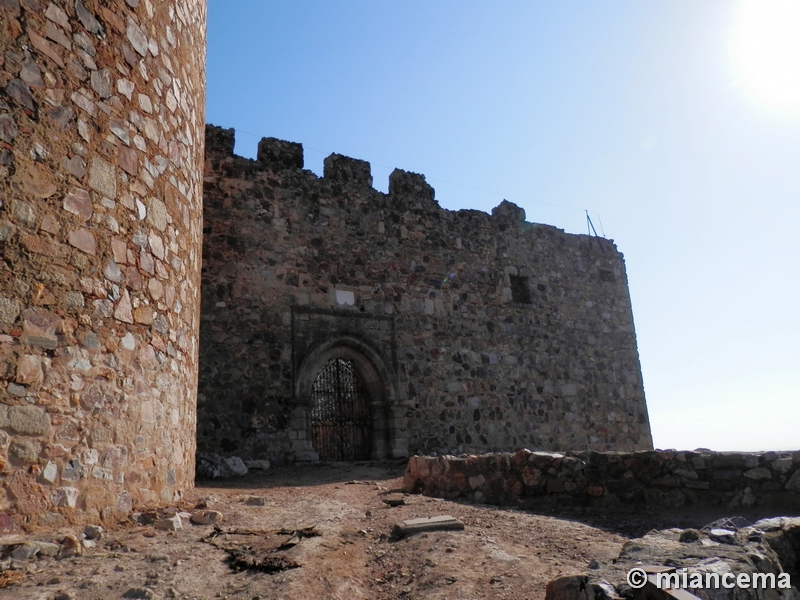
(405, 187)
(472, 331)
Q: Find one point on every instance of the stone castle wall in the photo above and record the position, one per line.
(663, 478)
(101, 141)
(477, 332)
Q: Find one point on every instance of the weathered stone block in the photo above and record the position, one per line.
(574, 587)
(794, 482)
(25, 450)
(29, 420)
(9, 310)
(29, 369)
(83, 240)
(103, 178)
(439, 523)
(78, 202)
(65, 496)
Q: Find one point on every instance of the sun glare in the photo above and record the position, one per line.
(766, 52)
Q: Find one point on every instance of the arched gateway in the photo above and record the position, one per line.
(345, 398)
(341, 423)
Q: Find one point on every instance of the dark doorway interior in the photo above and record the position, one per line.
(341, 424)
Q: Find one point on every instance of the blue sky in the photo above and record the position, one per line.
(676, 124)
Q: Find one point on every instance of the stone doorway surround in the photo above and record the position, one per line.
(388, 416)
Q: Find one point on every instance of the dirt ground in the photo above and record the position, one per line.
(501, 553)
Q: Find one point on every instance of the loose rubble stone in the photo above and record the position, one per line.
(723, 536)
(93, 532)
(170, 524)
(573, 587)
(25, 551)
(47, 548)
(256, 501)
(210, 465)
(260, 465)
(70, 546)
(139, 593)
(206, 517)
(661, 552)
(689, 535)
(440, 523)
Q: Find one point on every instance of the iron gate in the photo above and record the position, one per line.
(341, 424)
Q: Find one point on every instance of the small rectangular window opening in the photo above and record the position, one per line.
(520, 291)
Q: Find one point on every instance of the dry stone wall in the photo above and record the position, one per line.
(663, 478)
(485, 332)
(101, 141)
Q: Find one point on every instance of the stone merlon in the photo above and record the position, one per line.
(279, 154)
(349, 171)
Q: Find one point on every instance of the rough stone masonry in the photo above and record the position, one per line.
(471, 332)
(453, 331)
(101, 142)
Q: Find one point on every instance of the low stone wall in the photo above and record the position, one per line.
(663, 478)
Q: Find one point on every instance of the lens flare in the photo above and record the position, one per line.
(766, 53)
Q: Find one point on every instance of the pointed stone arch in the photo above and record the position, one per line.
(388, 419)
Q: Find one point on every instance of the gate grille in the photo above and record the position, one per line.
(340, 417)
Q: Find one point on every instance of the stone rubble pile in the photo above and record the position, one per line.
(211, 466)
(17, 552)
(731, 546)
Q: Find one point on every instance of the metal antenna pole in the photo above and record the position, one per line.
(590, 225)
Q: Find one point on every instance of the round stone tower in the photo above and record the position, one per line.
(101, 150)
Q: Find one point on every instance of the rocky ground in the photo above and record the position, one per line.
(321, 531)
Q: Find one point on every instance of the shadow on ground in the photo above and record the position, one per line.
(629, 522)
(311, 474)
